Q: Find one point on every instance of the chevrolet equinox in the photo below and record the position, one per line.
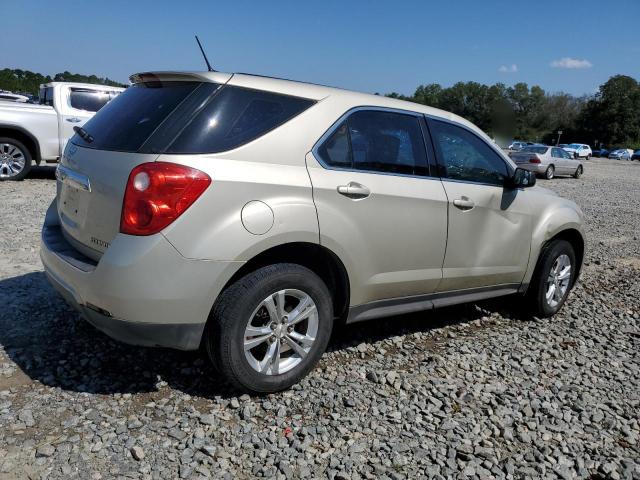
(248, 215)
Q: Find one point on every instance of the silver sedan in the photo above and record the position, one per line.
(547, 161)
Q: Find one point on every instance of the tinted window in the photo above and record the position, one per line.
(125, 123)
(89, 100)
(465, 156)
(46, 96)
(336, 150)
(377, 141)
(236, 116)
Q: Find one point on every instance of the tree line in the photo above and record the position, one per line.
(25, 81)
(611, 117)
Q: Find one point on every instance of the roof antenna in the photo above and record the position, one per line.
(206, 60)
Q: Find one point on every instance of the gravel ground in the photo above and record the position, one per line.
(471, 391)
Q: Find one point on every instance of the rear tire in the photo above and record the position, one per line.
(550, 172)
(578, 172)
(15, 159)
(255, 310)
(552, 281)
(588, 157)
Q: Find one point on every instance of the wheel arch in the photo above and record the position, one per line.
(317, 258)
(575, 238)
(24, 137)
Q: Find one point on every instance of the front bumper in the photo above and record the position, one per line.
(141, 292)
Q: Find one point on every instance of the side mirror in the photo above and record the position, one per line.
(522, 178)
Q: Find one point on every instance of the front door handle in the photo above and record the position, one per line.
(73, 120)
(464, 203)
(354, 190)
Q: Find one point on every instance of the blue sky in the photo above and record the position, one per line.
(371, 46)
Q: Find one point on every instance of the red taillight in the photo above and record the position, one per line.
(534, 160)
(157, 193)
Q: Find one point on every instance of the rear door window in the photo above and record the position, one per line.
(87, 99)
(377, 141)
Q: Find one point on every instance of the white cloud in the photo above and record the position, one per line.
(568, 62)
(513, 68)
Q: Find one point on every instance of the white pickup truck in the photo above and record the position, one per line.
(38, 133)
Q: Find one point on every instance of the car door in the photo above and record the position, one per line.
(79, 106)
(378, 207)
(489, 234)
(559, 160)
(570, 162)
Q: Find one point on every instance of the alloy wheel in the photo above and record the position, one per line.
(281, 332)
(558, 280)
(12, 160)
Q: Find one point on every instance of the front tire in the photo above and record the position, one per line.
(578, 172)
(553, 278)
(550, 172)
(269, 329)
(15, 159)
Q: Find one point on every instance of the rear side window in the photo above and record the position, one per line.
(235, 116)
(378, 141)
(46, 96)
(88, 100)
(125, 123)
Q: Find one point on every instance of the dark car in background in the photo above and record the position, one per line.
(602, 153)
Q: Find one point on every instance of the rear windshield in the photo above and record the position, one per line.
(126, 122)
(188, 117)
(535, 149)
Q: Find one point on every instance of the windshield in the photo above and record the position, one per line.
(574, 145)
(534, 149)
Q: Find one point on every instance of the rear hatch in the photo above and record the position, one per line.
(131, 129)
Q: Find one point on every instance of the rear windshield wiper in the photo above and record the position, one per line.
(83, 134)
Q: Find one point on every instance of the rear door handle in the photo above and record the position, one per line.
(354, 190)
(73, 120)
(464, 203)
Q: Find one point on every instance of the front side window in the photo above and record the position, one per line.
(377, 141)
(88, 100)
(465, 156)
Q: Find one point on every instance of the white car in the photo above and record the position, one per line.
(579, 150)
(518, 145)
(38, 133)
(13, 97)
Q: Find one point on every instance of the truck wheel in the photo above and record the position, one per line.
(549, 172)
(553, 278)
(15, 159)
(270, 328)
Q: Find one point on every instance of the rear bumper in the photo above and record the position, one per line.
(141, 292)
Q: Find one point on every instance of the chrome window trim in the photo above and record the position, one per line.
(347, 114)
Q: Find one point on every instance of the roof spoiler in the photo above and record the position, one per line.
(215, 77)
